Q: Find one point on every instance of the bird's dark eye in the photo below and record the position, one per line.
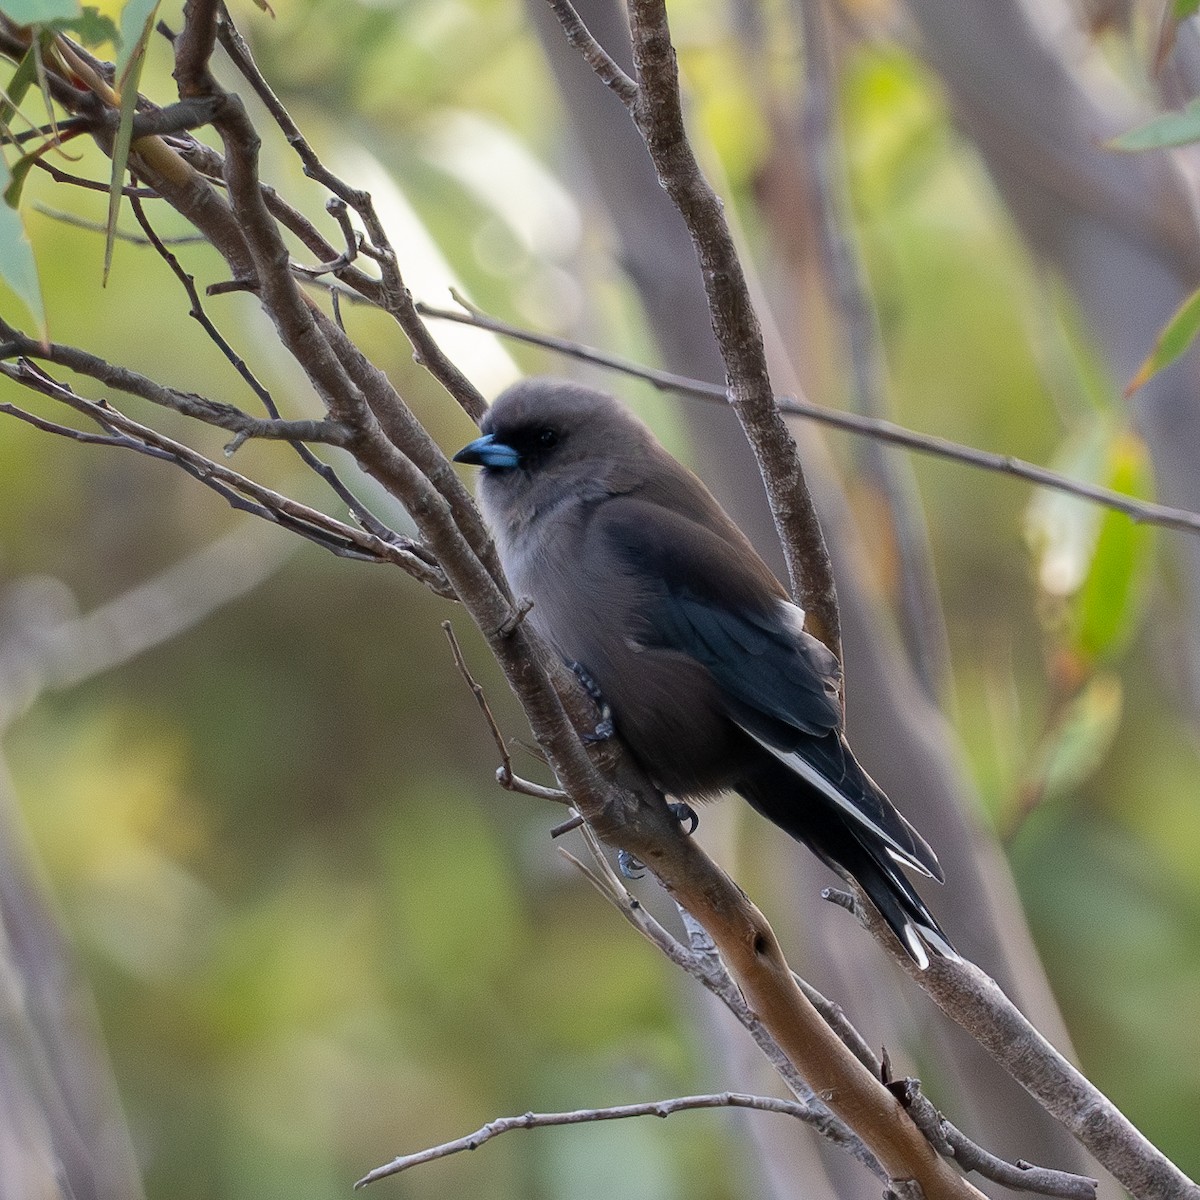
(547, 437)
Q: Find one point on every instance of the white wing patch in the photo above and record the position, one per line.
(793, 616)
(808, 772)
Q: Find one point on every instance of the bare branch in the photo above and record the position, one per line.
(918, 603)
(1021, 1176)
(368, 519)
(969, 996)
(396, 298)
(242, 493)
(505, 776)
(1143, 511)
(66, 218)
(189, 404)
(530, 1120)
(658, 115)
(607, 69)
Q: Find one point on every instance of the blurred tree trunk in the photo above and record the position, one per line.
(1040, 104)
(62, 1133)
(900, 735)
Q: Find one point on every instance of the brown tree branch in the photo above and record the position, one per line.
(658, 114)
(969, 996)
(121, 431)
(701, 960)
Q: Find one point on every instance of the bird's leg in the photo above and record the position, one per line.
(629, 866)
(685, 814)
(604, 727)
(633, 868)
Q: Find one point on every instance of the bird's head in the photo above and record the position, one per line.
(544, 435)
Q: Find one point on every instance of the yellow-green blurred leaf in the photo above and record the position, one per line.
(137, 15)
(1177, 335)
(18, 85)
(1080, 740)
(1170, 129)
(17, 266)
(1107, 606)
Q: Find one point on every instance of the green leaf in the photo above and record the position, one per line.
(1108, 605)
(92, 28)
(39, 12)
(18, 175)
(1184, 8)
(17, 266)
(1177, 335)
(18, 85)
(1171, 129)
(1079, 742)
(137, 23)
(129, 73)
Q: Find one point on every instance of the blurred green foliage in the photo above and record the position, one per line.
(317, 933)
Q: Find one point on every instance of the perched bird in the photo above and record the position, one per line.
(638, 577)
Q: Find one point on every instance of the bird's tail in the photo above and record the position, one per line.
(850, 849)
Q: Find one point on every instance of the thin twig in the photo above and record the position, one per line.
(1021, 1176)
(505, 776)
(1143, 511)
(224, 416)
(197, 312)
(531, 1120)
(606, 68)
(242, 493)
(91, 185)
(66, 218)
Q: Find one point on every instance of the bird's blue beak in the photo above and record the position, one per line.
(487, 452)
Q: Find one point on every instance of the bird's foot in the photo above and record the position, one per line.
(629, 866)
(604, 727)
(685, 814)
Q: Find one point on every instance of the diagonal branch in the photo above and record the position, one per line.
(658, 115)
(121, 431)
(1145, 512)
(969, 996)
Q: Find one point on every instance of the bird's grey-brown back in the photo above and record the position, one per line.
(597, 450)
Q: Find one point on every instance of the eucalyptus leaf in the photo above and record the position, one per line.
(17, 266)
(39, 12)
(1170, 129)
(1176, 336)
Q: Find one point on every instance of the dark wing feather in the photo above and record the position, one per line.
(777, 682)
(710, 596)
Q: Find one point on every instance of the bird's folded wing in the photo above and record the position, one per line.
(779, 683)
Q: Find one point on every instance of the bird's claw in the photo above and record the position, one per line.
(685, 814)
(605, 729)
(629, 866)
